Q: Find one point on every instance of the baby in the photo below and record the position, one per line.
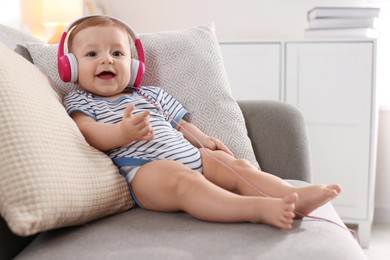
(170, 164)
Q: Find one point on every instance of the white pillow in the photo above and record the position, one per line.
(188, 64)
(50, 176)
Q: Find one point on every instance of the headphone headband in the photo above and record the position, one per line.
(67, 63)
(132, 33)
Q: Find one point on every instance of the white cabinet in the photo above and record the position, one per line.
(333, 84)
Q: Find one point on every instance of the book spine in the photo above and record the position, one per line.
(324, 12)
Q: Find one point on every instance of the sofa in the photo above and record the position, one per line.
(61, 199)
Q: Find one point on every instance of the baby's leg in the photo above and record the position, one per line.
(170, 186)
(243, 178)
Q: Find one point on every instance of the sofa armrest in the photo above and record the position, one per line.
(279, 138)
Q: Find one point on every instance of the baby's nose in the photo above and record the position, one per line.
(107, 59)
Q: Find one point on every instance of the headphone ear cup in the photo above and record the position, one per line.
(64, 68)
(134, 71)
(137, 73)
(73, 67)
(67, 68)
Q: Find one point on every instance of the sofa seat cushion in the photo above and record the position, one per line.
(141, 234)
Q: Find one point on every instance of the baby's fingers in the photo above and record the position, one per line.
(221, 146)
(149, 135)
(142, 117)
(128, 111)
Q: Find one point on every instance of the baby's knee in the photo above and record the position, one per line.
(242, 163)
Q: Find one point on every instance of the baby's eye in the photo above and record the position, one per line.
(91, 54)
(117, 53)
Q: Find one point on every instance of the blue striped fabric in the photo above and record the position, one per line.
(168, 143)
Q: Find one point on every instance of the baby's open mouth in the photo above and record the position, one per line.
(106, 75)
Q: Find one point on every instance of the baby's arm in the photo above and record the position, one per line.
(104, 136)
(193, 133)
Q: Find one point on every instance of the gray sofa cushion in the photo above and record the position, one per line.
(141, 234)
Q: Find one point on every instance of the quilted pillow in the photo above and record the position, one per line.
(188, 64)
(50, 176)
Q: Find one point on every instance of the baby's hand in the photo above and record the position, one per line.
(136, 127)
(215, 144)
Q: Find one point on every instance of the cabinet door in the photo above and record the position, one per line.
(332, 84)
(253, 69)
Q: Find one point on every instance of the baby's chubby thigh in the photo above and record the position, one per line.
(158, 185)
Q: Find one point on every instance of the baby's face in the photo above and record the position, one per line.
(103, 58)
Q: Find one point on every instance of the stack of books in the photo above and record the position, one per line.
(342, 22)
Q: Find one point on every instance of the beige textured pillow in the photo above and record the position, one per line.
(50, 176)
(188, 64)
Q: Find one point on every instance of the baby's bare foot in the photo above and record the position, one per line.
(279, 212)
(314, 196)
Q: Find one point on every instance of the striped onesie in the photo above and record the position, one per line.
(168, 143)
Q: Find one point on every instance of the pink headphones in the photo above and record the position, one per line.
(67, 63)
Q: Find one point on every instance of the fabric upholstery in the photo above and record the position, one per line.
(281, 145)
(140, 234)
